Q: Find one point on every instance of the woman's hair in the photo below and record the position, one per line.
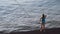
(43, 16)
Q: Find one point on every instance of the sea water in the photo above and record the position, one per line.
(24, 15)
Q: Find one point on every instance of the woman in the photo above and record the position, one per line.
(43, 22)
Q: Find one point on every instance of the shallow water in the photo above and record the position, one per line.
(23, 15)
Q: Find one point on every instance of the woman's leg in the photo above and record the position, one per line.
(41, 28)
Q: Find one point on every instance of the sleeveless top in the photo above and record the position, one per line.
(43, 20)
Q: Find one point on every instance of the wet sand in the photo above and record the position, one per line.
(47, 31)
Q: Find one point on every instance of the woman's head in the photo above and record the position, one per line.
(43, 15)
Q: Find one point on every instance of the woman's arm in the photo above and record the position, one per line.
(40, 20)
(45, 16)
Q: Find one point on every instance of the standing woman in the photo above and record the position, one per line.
(43, 22)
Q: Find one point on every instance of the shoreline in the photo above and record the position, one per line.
(47, 31)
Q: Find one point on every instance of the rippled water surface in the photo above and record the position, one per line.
(23, 15)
